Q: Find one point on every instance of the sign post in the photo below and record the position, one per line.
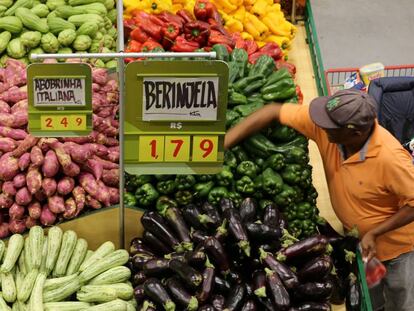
(175, 116)
(60, 99)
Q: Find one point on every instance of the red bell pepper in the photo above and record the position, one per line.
(168, 17)
(139, 35)
(239, 41)
(255, 56)
(182, 45)
(203, 10)
(217, 37)
(290, 67)
(129, 26)
(273, 50)
(185, 15)
(156, 20)
(299, 94)
(197, 31)
(251, 46)
(129, 60)
(150, 45)
(150, 27)
(169, 33)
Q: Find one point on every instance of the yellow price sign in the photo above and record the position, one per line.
(177, 148)
(151, 149)
(205, 148)
(63, 123)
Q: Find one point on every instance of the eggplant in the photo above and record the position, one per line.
(139, 278)
(192, 216)
(213, 213)
(312, 306)
(147, 306)
(310, 247)
(188, 274)
(249, 305)
(266, 303)
(154, 223)
(271, 216)
(271, 247)
(196, 258)
(139, 293)
(278, 293)
(226, 204)
(137, 245)
(316, 269)
(139, 259)
(249, 290)
(235, 299)
(221, 231)
(198, 236)
(207, 308)
(248, 210)
(339, 290)
(315, 291)
(160, 248)
(221, 285)
(180, 294)
(262, 233)
(154, 290)
(353, 294)
(218, 302)
(217, 253)
(237, 229)
(259, 283)
(176, 221)
(234, 277)
(326, 229)
(156, 267)
(207, 286)
(288, 277)
(175, 255)
(283, 224)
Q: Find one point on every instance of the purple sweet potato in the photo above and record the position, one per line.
(56, 204)
(95, 167)
(7, 144)
(88, 182)
(79, 195)
(16, 211)
(107, 165)
(22, 105)
(25, 145)
(36, 156)
(47, 218)
(78, 153)
(24, 161)
(70, 208)
(92, 203)
(9, 166)
(97, 149)
(111, 177)
(113, 195)
(17, 226)
(16, 134)
(8, 188)
(33, 179)
(23, 196)
(34, 209)
(71, 170)
(50, 165)
(5, 200)
(103, 194)
(4, 107)
(30, 222)
(65, 185)
(49, 186)
(4, 230)
(19, 181)
(40, 196)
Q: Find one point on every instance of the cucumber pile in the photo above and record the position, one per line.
(57, 272)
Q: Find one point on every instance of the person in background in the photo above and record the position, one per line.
(370, 178)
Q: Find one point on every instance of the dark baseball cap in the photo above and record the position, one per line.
(346, 108)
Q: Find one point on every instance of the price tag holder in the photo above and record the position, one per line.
(60, 99)
(175, 116)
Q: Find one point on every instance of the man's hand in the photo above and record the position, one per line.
(368, 245)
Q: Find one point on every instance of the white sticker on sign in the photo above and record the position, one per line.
(189, 99)
(59, 91)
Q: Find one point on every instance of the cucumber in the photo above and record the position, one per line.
(36, 237)
(52, 284)
(103, 250)
(69, 240)
(114, 275)
(24, 292)
(36, 298)
(8, 286)
(14, 248)
(55, 241)
(78, 256)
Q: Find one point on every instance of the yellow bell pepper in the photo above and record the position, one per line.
(275, 8)
(251, 29)
(226, 5)
(248, 2)
(189, 6)
(260, 8)
(283, 42)
(233, 25)
(237, 2)
(135, 5)
(177, 7)
(260, 43)
(157, 6)
(240, 14)
(261, 27)
(246, 36)
(276, 24)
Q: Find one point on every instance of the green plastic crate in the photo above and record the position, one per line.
(366, 304)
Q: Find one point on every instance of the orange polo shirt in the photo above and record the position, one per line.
(368, 187)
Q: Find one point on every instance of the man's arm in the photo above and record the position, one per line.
(404, 216)
(254, 123)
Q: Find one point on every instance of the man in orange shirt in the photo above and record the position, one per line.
(370, 178)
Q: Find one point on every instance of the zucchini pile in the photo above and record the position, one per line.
(57, 26)
(236, 257)
(57, 272)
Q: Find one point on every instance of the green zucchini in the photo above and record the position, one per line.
(36, 237)
(2, 244)
(21, 263)
(66, 306)
(8, 287)
(69, 240)
(116, 305)
(3, 304)
(123, 291)
(14, 248)
(23, 293)
(55, 241)
(52, 284)
(27, 258)
(104, 294)
(102, 251)
(114, 275)
(44, 255)
(36, 298)
(78, 255)
(63, 292)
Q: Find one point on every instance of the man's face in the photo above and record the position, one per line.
(343, 136)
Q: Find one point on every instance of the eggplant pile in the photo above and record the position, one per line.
(236, 257)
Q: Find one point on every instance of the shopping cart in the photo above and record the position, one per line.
(366, 304)
(336, 77)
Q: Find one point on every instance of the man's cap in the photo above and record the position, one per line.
(346, 108)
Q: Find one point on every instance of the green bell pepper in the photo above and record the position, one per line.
(146, 195)
(286, 197)
(166, 186)
(204, 178)
(129, 199)
(300, 141)
(236, 98)
(185, 182)
(221, 52)
(216, 194)
(255, 85)
(304, 210)
(240, 153)
(235, 197)
(292, 174)
(241, 84)
(264, 65)
(280, 95)
(230, 159)
(236, 121)
(264, 203)
(225, 177)
(164, 203)
(248, 109)
(240, 57)
(278, 86)
(306, 178)
(164, 177)
(255, 99)
(282, 133)
(272, 181)
(247, 168)
(231, 116)
(260, 163)
(233, 72)
(258, 184)
(296, 155)
(245, 185)
(201, 190)
(278, 75)
(183, 197)
(275, 161)
(132, 182)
